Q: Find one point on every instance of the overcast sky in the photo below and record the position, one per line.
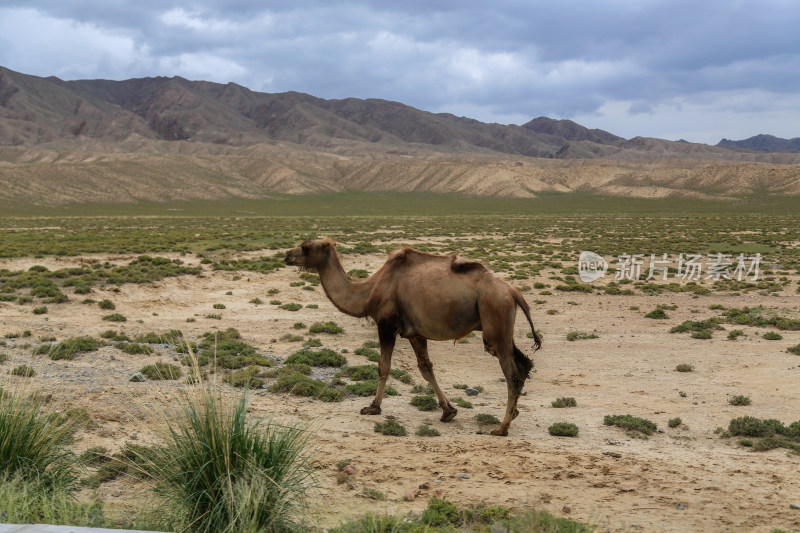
(699, 70)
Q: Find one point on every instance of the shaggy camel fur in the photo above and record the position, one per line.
(421, 296)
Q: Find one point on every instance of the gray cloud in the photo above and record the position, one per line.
(604, 62)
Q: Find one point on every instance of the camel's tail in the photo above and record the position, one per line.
(537, 341)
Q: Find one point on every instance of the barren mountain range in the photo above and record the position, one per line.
(160, 139)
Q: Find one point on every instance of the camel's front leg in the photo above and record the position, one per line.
(420, 345)
(386, 336)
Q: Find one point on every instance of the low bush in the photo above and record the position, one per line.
(324, 357)
(390, 427)
(161, 370)
(631, 423)
(564, 402)
(563, 429)
(427, 431)
(425, 403)
(326, 327)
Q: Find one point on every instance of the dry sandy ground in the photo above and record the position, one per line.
(681, 479)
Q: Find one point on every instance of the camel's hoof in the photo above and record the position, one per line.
(447, 416)
(371, 410)
(499, 432)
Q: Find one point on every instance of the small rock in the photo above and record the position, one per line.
(469, 391)
(425, 486)
(502, 380)
(524, 392)
(566, 509)
(794, 506)
(350, 470)
(273, 340)
(680, 506)
(138, 378)
(463, 475)
(615, 455)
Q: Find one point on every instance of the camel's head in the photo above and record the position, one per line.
(310, 254)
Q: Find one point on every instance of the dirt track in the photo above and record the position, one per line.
(684, 479)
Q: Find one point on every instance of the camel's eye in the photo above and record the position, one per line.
(305, 248)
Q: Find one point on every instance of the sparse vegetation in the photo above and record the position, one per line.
(675, 422)
(161, 370)
(115, 317)
(390, 427)
(772, 336)
(69, 348)
(631, 423)
(325, 327)
(564, 402)
(684, 367)
(324, 357)
(425, 403)
(461, 402)
(739, 399)
(485, 419)
(426, 431)
(563, 429)
(658, 314)
(24, 371)
(579, 335)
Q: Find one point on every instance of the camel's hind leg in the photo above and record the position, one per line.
(515, 366)
(420, 345)
(386, 336)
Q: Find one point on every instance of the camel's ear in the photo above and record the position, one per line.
(326, 245)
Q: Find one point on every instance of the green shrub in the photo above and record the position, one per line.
(24, 371)
(461, 402)
(631, 423)
(401, 375)
(324, 357)
(161, 370)
(579, 335)
(40, 310)
(325, 327)
(427, 431)
(219, 306)
(134, 348)
(222, 471)
(115, 336)
(115, 317)
(657, 314)
(441, 512)
(245, 377)
(425, 403)
(702, 334)
(734, 334)
(485, 419)
(564, 402)
(68, 348)
(369, 388)
(256, 301)
(292, 307)
(684, 367)
(360, 372)
(390, 427)
(772, 336)
(739, 399)
(106, 304)
(674, 422)
(371, 354)
(563, 429)
(794, 349)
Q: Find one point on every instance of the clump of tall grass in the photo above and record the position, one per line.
(221, 471)
(33, 445)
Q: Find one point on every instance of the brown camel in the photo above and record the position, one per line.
(421, 296)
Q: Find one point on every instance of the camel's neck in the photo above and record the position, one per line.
(349, 296)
